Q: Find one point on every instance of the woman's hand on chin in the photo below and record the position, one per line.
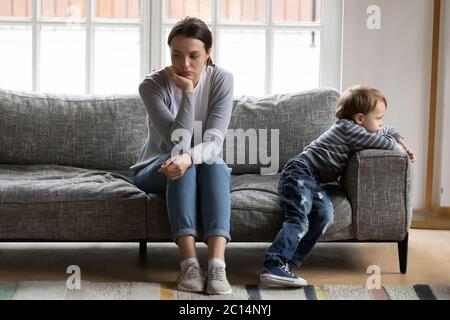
(182, 83)
(176, 167)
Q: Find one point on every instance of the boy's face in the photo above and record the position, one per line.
(372, 121)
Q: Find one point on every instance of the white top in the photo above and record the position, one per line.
(201, 96)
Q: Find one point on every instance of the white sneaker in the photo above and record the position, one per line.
(217, 283)
(192, 279)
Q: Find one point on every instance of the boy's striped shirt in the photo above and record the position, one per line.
(331, 152)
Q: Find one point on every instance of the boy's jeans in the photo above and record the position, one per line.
(210, 184)
(308, 213)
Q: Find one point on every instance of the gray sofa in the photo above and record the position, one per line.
(64, 172)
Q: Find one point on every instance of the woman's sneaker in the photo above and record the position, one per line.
(281, 275)
(191, 279)
(217, 282)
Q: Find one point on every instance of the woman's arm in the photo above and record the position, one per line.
(221, 107)
(153, 92)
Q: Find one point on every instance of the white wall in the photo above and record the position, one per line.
(397, 60)
(442, 165)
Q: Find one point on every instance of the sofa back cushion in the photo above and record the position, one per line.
(108, 132)
(80, 131)
(276, 128)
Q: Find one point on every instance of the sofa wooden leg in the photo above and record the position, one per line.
(403, 254)
(142, 249)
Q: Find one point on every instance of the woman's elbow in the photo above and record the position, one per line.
(143, 88)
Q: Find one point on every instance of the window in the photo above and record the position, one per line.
(71, 46)
(108, 46)
(271, 46)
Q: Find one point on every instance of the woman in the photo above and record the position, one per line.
(191, 91)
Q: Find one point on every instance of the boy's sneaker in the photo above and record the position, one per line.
(192, 279)
(217, 282)
(280, 275)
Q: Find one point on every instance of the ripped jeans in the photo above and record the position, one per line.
(307, 209)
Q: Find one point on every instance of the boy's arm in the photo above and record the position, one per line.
(393, 132)
(389, 131)
(408, 150)
(386, 138)
(360, 138)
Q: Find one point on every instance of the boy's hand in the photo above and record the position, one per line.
(411, 154)
(176, 167)
(408, 150)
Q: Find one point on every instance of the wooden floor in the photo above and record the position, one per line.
(330, 263)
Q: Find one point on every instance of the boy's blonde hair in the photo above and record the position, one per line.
(358, 99)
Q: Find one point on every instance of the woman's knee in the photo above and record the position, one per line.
(187, 180)
(215, 167)
(148, 179)
(215, 161)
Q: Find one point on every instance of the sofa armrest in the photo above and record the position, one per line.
(378, 185)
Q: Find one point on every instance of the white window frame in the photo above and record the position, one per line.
(330, 74)
(331, 51)
(36, 22)
(153, 44)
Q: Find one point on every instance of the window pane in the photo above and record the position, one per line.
(179, 9)
(15, 58)
(63, 59)
(117, 60)
(15, 8)
(117, 9)
(71, 9)
(297, 10)
(243, 10)
(166, 49)
(242, 52)
(296, 61)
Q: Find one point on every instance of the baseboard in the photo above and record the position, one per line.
(423, 219)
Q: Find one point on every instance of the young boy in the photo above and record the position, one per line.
(308, 211)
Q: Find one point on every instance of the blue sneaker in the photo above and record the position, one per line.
(280, 275)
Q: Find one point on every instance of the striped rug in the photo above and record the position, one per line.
(57, 290)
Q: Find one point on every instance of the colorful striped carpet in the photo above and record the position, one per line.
(57, 290)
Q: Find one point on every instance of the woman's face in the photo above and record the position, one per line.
(189, 57)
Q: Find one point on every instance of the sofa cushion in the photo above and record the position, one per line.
(63, 203)
(256, 214)
(108, 132)
(80, 131)
(297, 119)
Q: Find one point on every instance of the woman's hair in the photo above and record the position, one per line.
(358, 99)
(193, 28)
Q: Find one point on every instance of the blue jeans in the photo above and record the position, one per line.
(308, 213)
(209, 184)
